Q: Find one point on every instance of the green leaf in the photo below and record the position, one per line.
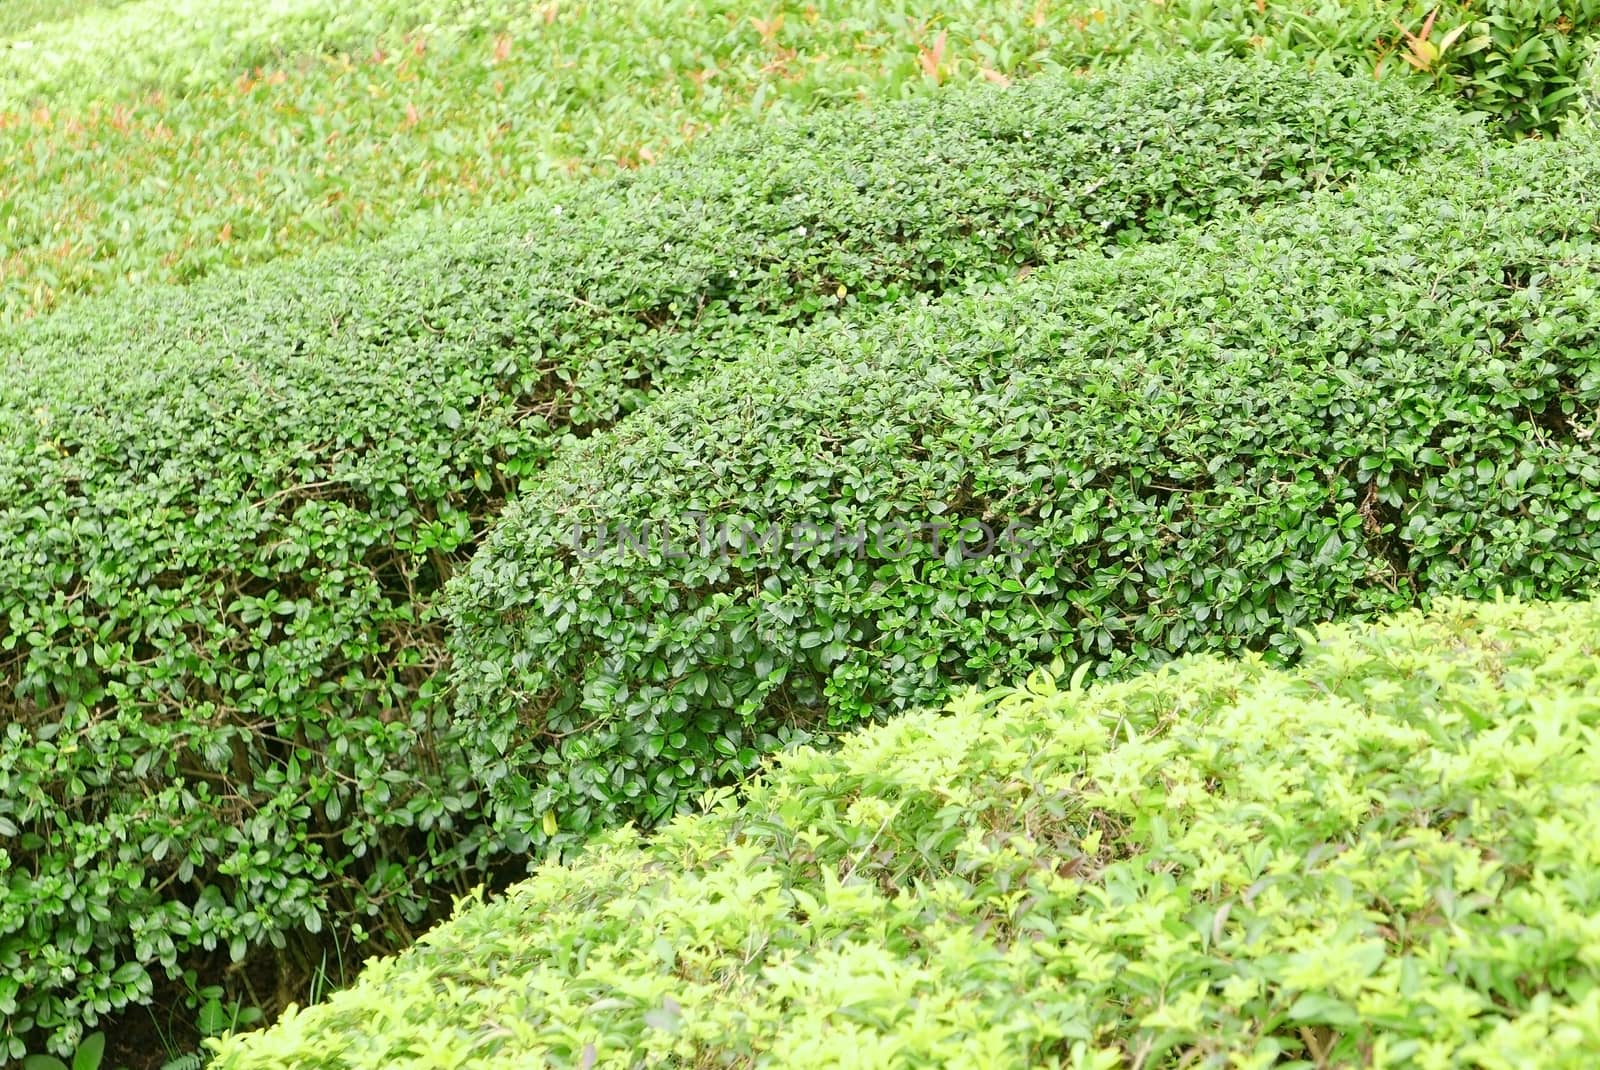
(91, 1049)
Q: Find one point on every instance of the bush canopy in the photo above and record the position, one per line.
(1331, 409)
(1380, 858)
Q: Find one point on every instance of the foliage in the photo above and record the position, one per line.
(163, 139)
(121, 49)
(25, 16)
(1382, 858)
(1521, 60)
(225, 511)
(87, 1056)
(1515, 60)
(1334, 408)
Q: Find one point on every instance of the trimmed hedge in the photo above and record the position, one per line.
(1381, 858)
(1337, 408)
(225, 512)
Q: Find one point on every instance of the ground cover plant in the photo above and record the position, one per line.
(159, 140)
(77, 53)
(1379, 858)
(18, 17)
(116, 49)
(226, 510)
(234, 133)
(1335, 408)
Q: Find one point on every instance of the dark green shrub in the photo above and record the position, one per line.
(1517, 61)
(1331, 409)
(1381, 858)
(225, 512)
(1521, 60)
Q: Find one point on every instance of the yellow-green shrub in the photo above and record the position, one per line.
(1382, 858)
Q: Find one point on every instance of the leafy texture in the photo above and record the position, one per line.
(164, 139)
(160, 140)
(1336, 408)
(1382, 858)
(27, 16)
(225, 512)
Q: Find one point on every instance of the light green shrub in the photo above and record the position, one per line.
(1383, 858)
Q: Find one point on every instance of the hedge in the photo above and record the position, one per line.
(1333, 409)
(1378, 859)
(226, 512)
